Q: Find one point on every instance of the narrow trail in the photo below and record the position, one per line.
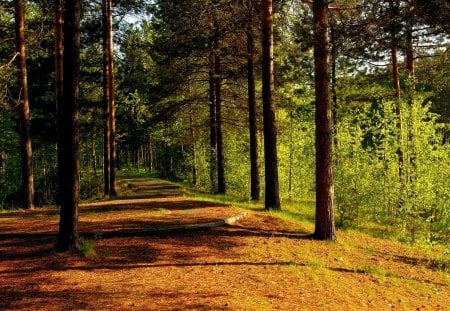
(146, 206)
(161, 207)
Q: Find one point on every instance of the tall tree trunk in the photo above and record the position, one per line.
(108, 84)
(58, 33)
(333, 84)
(218, 95)
(291, 152)
(324, 224)
(94, 159)
(106, 124)
(26, 154)
(212, 125)
(252, 119)
(111, 108)
(192, 132)
(151, 156)
(412, 77)
(272, 193)
(396, 84)
(69, 130)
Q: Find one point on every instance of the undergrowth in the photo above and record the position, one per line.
(87, 247)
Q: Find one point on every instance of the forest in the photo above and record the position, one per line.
(188, 102)
(333, 113)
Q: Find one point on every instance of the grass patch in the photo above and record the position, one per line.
(158, 212)
(87, 247)
(376, 271)
(302, 212)
(130, 173)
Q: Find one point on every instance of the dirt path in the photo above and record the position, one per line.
(149, 257)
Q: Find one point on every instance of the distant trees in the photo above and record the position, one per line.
(189, 96)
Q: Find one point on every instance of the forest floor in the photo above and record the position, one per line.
(146, 251)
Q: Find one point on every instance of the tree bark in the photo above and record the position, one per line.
(324, 224)
(218, 95)
(212, 125)
(111, 105)
(106, 124)
(412, 77)
(69, 131)
(272, 193)
(333, 85)
(396, 84)
(194, 159)
(26, 154)
(108, 92)
(252, 119)
(58, 33)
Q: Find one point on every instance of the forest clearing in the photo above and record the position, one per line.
(262, 262)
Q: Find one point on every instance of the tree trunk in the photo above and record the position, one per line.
(26, 154)
(108, 92)
(252, 119)
(106, 124)
(412, 77)
(272, 195)
(192, 132)
(151, 156)
(291, 152)
(333, 85)
(94, 159)
(69, 131)
(396, 84)
(212, 126)
(218, 96)
(324, 225)
(111, 108)
(58, 33)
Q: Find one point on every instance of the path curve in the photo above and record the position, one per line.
(188, 213)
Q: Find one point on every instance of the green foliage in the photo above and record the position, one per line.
(91, 185)
(368, 185)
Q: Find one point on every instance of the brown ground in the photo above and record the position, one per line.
(149, 257)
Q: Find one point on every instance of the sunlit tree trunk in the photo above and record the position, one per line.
(111, 106)
(333, 84)
(212, 125)
(252, 120)
(396, 84)
(412, 77)
(324, 224)
(272, 193)
(218, 103)
(106, 124)
(108, 84)
(26, 154)
(192, 134)
(69, 131)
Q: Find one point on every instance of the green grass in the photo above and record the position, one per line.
(87, 247)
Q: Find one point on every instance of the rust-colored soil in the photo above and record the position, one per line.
(150, 257)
